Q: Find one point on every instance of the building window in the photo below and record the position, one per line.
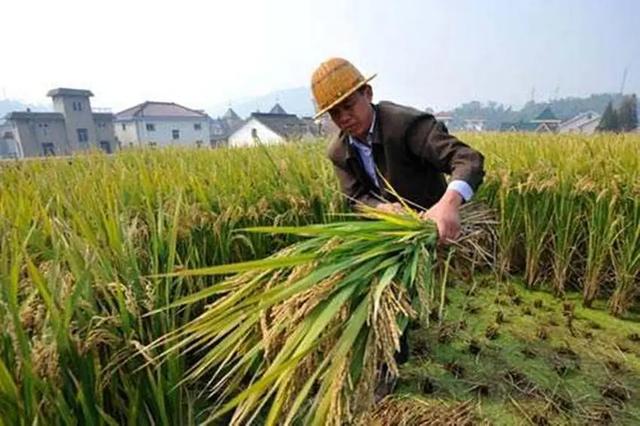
(83, 135)
(197, 126)
(151, 127)
(105, 146)
(124, 126)
(48, 149)
(175, 134)
(77, 106)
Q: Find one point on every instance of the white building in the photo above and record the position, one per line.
(585, 123)
(446, 118)
(271, 128)
(162, 124)
(9, 146)
(474, 125)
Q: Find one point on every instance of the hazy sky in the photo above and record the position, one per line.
(426, 53)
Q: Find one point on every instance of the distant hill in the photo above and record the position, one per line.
(494, 113)
(567, 108)
(294, 101)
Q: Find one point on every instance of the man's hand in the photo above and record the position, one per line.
(390, 208)
(446, 216)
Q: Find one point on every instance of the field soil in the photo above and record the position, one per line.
(525, 357)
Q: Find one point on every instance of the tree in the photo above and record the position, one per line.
(609, 121)
(628, 113)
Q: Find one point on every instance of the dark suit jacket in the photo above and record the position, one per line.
(412, 151)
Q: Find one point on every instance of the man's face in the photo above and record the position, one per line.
(354, 114)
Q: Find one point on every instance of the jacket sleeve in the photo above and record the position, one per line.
(430, 140)
(355, 192)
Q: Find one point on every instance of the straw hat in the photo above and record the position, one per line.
(333, 81)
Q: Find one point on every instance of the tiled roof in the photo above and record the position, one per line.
(546, 115)
(277, 109)
(159, 109)
(581, 118)
(220, 128)
(230, 114)
(62, 91)
(312, 126)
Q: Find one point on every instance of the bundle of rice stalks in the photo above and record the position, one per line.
(305, 334)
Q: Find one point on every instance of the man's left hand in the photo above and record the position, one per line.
(446, 216)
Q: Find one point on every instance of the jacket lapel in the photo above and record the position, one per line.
(352, 159)
(379, 156)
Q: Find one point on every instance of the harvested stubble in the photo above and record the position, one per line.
(412, 411)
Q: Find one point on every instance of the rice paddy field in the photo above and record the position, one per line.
(99, 261)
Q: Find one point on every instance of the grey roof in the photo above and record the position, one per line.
(285, 125)
(581, 118)
(159, 109)
(277, 109)
(28, 115)
(62, 91)
(230, 114)
(221, 128)
(105, 116)
(546, 115)
(312, 126)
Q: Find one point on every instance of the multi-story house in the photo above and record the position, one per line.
(162, 124)
(72, 127)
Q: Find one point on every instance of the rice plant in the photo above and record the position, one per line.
(625, 255)
(601, 233)
(565, 235)
(537, 210)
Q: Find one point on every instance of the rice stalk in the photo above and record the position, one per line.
(601, 234)
(625, 255)
(565, 237)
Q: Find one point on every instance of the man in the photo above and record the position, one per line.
(403, 146)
